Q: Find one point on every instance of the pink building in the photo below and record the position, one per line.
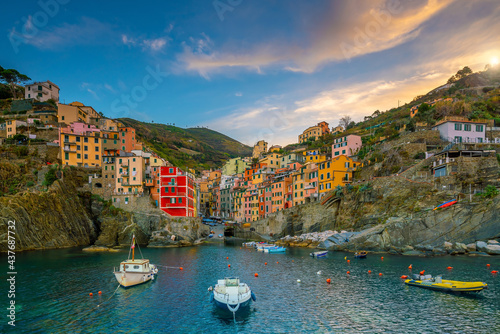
(346, 145)
(459, 131)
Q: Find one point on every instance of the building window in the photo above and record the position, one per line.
(77, 139)
(337, 153)
(458, 126)
(172, 200)
(97, 148)
(78, 155)
(78, 147)
(180, 200)
(85, 156)
(85, 148)
(97, 157)
(96, 140)
(467, 127)
(458, 139)
(479, 128)
(85, 140)
(479, 140)
(66, 155)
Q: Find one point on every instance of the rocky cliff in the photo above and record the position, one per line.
(51, 219)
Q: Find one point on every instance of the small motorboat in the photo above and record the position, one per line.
(360, 255)
(263, 247)
(220, 235)
(134, 272)
(319, 254)
(437, 283)
(275, 250)
(230, 294)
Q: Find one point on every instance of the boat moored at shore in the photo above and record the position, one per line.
(437, 283)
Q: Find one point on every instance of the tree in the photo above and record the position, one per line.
(12, 77)
(460, 74)
(345, 121)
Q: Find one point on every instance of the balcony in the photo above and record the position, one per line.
(68, 149)
(346, 180)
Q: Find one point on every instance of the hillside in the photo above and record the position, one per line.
(196, 148)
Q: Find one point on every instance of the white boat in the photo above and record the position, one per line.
(134, 272)
(263, 247)
(249, 244)
(275, 249)
(229, 294)
(319, 254)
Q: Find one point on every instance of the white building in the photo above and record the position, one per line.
(42, 91)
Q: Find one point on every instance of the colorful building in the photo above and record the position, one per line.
(346, 145)
(335, 172)
(128, 141)
(12, 125)
(315, 156)
(314, 132)
(42, 91)
(77, 112)
(177, 192)
(235, 166)
(81, 145)
(129, 176)
(461, 130)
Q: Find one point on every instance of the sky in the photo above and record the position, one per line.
(260, 69)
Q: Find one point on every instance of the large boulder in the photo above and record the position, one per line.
(493, 249)
(481, 246)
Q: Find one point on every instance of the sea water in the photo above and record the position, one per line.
(52, 293)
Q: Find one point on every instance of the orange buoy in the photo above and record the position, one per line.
(410, 267)
(488, 265)
(382, 258)
(180, 268)
(449, 268)
(348, 261)
(265, 263)
(380, 274)
(229, 266)
(328, 280)
(404, 277)
(369, 271)
(422, 272)
(348, 272)
(91, 294)
(227, 257)
(494, 271)
(256, 275)
(277, 262)
(293, 260)
(100, 292)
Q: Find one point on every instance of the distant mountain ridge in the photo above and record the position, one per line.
(197, 148)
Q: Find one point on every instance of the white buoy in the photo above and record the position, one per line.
(298, 281)
(319, 272)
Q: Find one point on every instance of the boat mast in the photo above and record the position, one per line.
(133, 246)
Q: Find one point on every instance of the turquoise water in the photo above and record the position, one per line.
(52, 294)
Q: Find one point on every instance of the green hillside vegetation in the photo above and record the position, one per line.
(197, 148)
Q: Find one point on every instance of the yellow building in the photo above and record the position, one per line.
(80, 147)
(129, 174)
(298, 185)
(335, 172)
(272, 161)
(315, 156)
(77, 112)
(108, 124)
(12, 125)
(314, 132)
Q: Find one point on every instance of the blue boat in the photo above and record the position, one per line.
(275, 250)
(231, 295)
(319, 254)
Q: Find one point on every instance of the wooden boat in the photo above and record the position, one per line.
(249, 244)
(134, 272)
(439, 284)
(360, 254)
(230, 294)
(319, 254)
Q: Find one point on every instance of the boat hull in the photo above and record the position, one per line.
(130, 279)
(318, 254)
(224, 305)
(449, 286)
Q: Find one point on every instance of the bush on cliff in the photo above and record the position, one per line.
(490, 191)
(50, 177)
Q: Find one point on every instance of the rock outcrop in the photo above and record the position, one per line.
(53, 219)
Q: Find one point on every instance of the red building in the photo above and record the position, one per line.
(177, 192)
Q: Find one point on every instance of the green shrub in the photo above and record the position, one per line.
(490, 191)
(30, 183)
(50, 177)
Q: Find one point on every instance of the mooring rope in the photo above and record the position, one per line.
(98, 305)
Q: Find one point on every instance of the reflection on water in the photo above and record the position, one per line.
(53, 294)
